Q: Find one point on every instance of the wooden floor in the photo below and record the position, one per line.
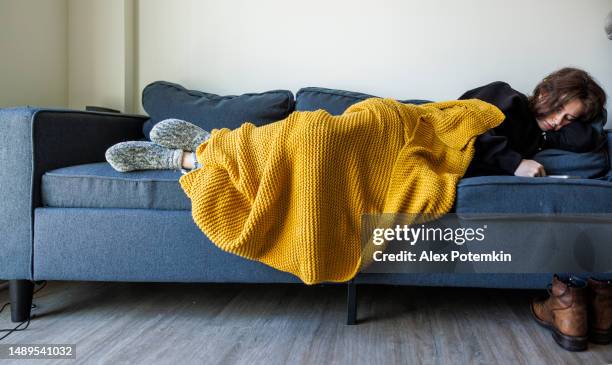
(150, 323)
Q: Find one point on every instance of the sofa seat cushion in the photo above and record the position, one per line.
(98, 185)
(514, 194)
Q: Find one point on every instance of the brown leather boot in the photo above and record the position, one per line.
(564, 312)
(600, 311)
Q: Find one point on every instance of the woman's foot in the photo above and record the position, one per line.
(176, 133)
(143, 155)
(190, 162)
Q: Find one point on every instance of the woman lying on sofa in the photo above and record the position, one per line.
(557, 115)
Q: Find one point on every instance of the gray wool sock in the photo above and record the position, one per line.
(176, 133)
(143, 155)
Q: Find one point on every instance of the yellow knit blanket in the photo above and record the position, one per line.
(291, 193)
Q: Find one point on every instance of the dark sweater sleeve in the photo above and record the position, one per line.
(575, 137)
(492, 148)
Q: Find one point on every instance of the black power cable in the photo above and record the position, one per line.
(42, 284)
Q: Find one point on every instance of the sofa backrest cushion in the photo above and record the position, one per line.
(332, 100)
(162, 100)
(587, 165)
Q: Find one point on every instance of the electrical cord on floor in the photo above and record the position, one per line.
(42, 284)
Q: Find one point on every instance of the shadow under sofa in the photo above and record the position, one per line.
(67, 215)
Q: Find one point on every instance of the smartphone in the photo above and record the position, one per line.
(564, 176)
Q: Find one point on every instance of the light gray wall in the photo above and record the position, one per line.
(33, 53)
(395, 48)
(100, 54)
(103, 52)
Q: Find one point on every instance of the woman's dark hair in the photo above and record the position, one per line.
(563, 85)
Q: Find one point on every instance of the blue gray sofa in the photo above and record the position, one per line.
(65, 214)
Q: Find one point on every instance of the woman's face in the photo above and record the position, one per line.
(571, 111)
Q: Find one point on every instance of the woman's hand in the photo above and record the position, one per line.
(530, 168)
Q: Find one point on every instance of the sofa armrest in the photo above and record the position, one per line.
(608, 175)
(609, 135)
(33, 141)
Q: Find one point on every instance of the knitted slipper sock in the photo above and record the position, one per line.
(143, 155)
(176, 133)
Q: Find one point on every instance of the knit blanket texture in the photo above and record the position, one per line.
(290, 194)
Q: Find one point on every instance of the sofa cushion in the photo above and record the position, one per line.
(334, 101)
(514, 194)
(608, 176)
(586, 165)
(162, 100)
(98, 185)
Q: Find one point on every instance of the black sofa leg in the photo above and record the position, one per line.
(21, 292)
(351, 303)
